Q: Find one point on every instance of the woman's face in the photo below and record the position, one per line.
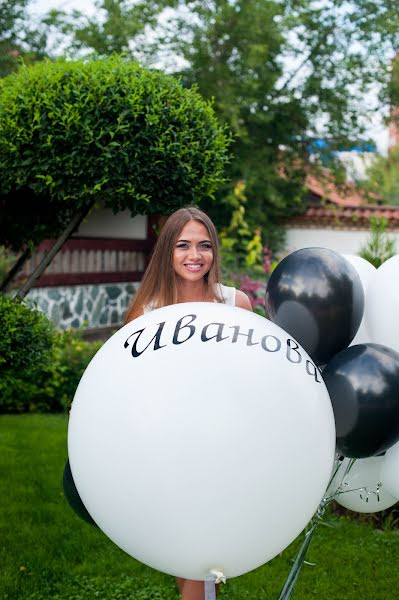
(193, 252)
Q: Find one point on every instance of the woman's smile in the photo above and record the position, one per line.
(193, 267)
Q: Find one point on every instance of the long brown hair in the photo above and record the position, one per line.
(159, 285)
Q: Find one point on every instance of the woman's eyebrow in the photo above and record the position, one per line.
(189, 241)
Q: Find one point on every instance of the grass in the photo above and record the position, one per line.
(46, 552)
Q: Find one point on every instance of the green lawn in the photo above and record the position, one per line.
(46, 552)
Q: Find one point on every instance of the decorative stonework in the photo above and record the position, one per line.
(89, 306)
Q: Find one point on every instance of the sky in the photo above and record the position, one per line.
(42, 6)
(377, 130)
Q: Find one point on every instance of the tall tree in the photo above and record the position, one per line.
(18, 38)
(117, 26)
(281, 72)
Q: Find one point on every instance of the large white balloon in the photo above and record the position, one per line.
(366, 272)
(201, 438)
(381, 312)
(362, 489)
(390, 470)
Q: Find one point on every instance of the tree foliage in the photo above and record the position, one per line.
(113, 28)
(383, 178)
(281, 73)
(109, 130)
(18, 39)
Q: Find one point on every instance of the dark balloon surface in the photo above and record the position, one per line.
(316, 295)
(363, 383)
(72, 495)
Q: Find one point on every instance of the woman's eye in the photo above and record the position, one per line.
(184, 246)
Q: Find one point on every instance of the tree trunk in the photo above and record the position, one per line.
(15, 269)
(44, 263)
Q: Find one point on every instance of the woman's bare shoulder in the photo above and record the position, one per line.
(242, 300)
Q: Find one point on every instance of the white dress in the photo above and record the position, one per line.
(226, 292)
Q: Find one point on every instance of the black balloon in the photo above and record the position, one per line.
(72, 495)
(316, 295)
(363, 383)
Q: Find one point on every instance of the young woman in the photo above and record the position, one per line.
(185, 267)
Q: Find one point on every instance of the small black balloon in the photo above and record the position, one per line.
(72, 496)
(316, 295)
(363, 383)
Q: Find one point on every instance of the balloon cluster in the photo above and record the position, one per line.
(189, 428)
(343, 312)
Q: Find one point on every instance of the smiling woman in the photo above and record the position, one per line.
(185, 267)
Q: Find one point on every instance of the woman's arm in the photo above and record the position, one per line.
(242, 300)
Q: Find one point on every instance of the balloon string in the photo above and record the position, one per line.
(336, 468)
(338, 489)
(293, 575)
(299, 561)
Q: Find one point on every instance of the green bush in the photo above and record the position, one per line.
(26, 343)
(380, 246)
(40, 368)
(60, 378)
(104, 128)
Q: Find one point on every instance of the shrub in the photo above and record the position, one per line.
(40, 368)
(60, 378)
(380, 246)
(26, 344)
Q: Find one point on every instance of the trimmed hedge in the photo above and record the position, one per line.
(104, 128)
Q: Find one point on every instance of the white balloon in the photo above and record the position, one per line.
(382, 305)
(188, 434)
(390, 470)
(362, 489)
(366, 272)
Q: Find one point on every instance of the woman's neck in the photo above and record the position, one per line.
(193, 291)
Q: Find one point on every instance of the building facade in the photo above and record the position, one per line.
(91, 281)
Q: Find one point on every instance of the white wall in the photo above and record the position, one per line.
(342, 241)
(102, 223)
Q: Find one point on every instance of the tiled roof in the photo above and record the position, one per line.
(348, 209)
(346, 217)
(350, 196)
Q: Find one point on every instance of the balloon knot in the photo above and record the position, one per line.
(218, 576)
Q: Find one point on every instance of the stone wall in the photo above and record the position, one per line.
(89, 306)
